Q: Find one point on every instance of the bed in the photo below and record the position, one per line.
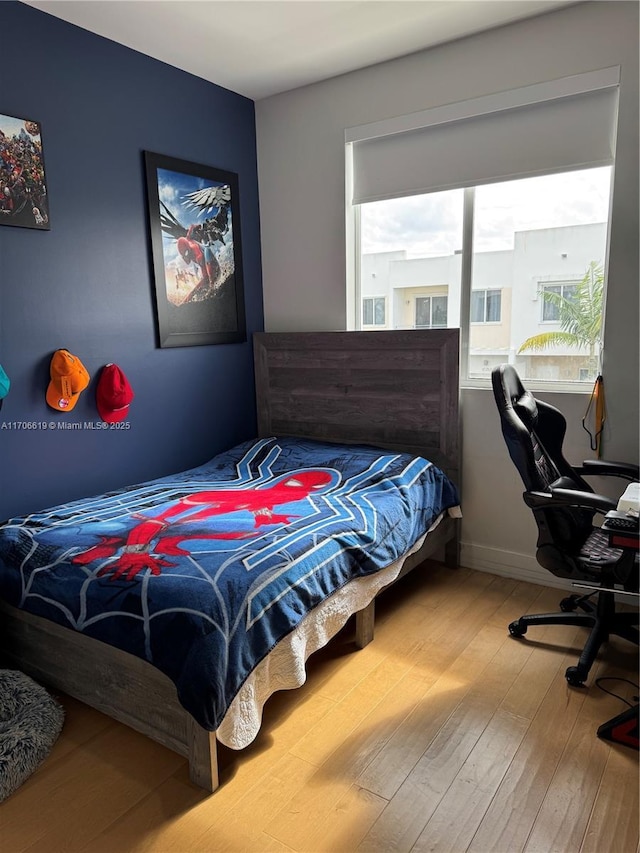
(195, 597)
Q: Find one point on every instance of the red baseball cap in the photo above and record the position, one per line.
(113, 394)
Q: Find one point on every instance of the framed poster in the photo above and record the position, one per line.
(197, 258)
(23, 186)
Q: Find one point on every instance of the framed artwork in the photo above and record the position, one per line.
(23, 186)
(197, 258)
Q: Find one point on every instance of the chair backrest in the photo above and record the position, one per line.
(534, 432)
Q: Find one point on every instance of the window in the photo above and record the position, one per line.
(543, 238)
(546, 237)
(558, 293)
(395, 238)
(431, 312)
(373, 311)
(486, 306)
(511, 187)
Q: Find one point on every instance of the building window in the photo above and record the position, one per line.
(552, 304)
(431, 312)
(374, 311)
(486, 306)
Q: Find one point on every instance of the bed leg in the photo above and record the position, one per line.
(452, 548)
(203, 759)
(364, 625)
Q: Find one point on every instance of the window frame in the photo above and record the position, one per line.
(606, 79)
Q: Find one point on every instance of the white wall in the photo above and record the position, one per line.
(302, 195)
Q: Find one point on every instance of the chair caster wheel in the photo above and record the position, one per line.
(575, 676)
(568, 605)
(517, 630)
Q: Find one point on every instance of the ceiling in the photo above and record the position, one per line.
(262, 47)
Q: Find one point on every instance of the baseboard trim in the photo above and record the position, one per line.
(508, 564)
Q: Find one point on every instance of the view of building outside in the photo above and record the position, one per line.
(539, 249)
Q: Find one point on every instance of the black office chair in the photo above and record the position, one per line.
(564, 505)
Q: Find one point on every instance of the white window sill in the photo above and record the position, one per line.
(533, 385)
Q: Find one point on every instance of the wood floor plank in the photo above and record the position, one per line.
(72, 800)
(613, 824)
(525, 598)
(245, 774)
(81, 724)
(285, 722)
(360, 664)
(444, 734)
(401, 823)
(166, 820)
(453, 823)
(434, 586)
(470, 651)
(564, 813)
(548, 655)
(344, 716)
(339, 747)
(331, 823)
(508, 820)
(350, 818)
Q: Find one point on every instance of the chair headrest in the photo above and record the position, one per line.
(513, 398)
(526, 408)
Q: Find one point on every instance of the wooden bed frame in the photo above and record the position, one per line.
(397, 390)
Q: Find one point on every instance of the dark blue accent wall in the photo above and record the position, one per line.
(87, 284)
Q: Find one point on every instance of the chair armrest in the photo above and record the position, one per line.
(602, 467)
(569, 497)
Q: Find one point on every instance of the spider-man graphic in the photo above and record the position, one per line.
(156, 535)
(195, 243)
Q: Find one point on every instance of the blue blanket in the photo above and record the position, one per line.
(203, 572)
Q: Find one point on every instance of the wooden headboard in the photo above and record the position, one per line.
(393, 389)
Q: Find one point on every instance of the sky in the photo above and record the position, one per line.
(12, 126)
(431, 225)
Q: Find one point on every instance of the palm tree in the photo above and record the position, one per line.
(580, 317)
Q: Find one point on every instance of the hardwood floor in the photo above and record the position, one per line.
(444, 734)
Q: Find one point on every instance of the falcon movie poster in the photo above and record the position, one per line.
(197, 259)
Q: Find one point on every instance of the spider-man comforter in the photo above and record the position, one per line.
(203, 572)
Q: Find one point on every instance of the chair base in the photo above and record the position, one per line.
(601, 617)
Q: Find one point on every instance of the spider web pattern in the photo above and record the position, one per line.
(220, 604)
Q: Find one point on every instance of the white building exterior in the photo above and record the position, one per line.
(398, 292)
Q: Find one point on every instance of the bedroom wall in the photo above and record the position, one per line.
(301, 175)
(87, 283)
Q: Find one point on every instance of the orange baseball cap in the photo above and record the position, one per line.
(113, 394)
(69, 377)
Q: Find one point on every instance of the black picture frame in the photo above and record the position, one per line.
(24, 201)
(194, 221)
